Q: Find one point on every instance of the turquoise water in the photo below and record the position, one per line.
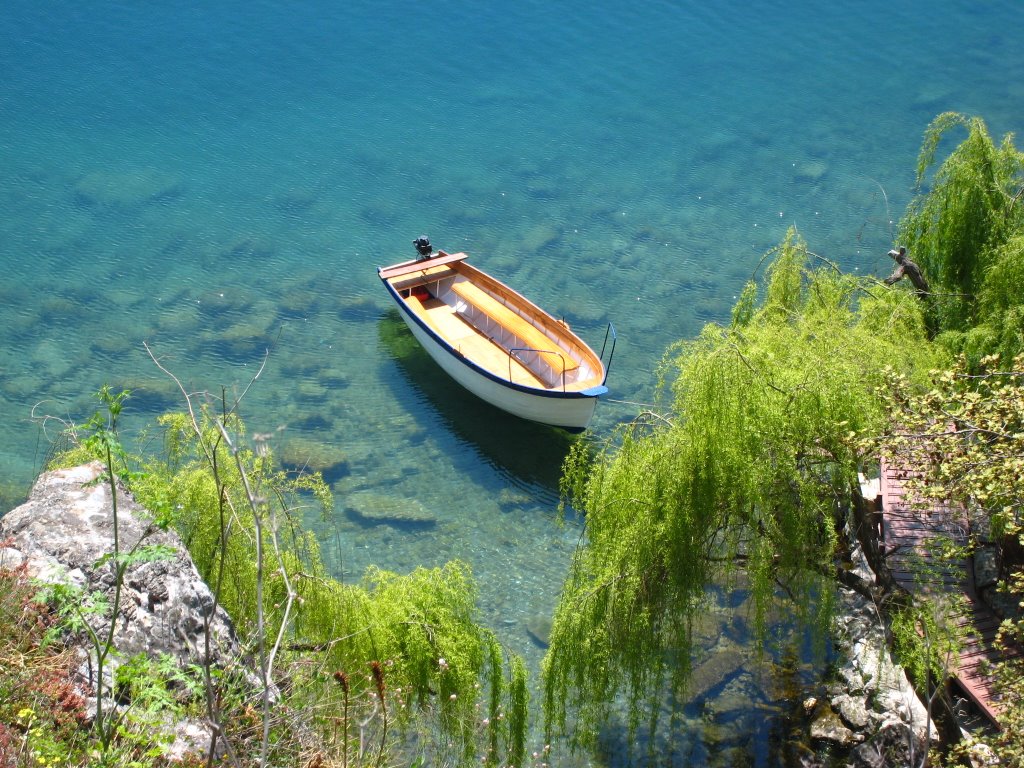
(221, 180)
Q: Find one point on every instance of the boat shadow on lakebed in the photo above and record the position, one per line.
(531, 453)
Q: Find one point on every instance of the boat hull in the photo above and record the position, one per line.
(571, 411)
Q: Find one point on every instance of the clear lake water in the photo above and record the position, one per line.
(221, 180)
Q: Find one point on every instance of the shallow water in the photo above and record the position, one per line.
(222, 181)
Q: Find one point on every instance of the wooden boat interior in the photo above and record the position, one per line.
(494, 326)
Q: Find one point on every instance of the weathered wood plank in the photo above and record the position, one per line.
(909, 532)
(422, 265)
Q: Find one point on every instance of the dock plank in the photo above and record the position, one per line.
(909, 533)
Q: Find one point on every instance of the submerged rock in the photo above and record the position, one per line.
(127, 188)
(303, 454)
(369, 508)
(719, 667)
(813, 169)
(539, 629)
(540, 236)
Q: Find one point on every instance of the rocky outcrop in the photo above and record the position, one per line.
(64, 534)
(870, 693)
(870, 710)
(65, 530)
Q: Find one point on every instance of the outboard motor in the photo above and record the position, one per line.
(423, 247)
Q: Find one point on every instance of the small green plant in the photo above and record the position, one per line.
(41, 711)
(87, 611)
(156, 683)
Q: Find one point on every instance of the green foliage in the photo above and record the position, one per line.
(406, 651)
(748, 470)
(518, 712)
(745, 307)
(41, 710)
(411, 644)
(156, 683)
(1000, 325)
(956, 230)
(73, 605)
(217, 523)
(974, 420)
(922, 643)
(422, 629)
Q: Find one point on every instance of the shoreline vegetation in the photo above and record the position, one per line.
(744, 476)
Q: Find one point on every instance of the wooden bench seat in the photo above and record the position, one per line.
(424, 277)
(470, 342)
(531, 336)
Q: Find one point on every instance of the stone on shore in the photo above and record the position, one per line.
(827, 726)
(894, 744)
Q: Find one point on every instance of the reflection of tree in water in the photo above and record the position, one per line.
(527, 452)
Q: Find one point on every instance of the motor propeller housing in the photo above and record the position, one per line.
(423, 247)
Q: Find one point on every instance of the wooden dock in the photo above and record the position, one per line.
(911, 538)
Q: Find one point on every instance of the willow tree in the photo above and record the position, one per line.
(745, 474)
(999, 329)
(963, 216)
